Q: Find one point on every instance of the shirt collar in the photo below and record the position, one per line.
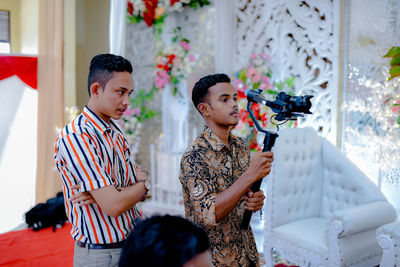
(95, 120)
(214, 140)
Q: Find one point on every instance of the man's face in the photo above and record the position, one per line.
(113, 100)
(222, 105)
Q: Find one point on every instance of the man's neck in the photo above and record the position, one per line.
(93, 108)
(221, 131)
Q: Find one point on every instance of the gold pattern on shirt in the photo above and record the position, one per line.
(208, 168)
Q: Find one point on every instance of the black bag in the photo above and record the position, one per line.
(47, 214)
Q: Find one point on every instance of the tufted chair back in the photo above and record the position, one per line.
(338, 191)
(321, 210)
(298, 176)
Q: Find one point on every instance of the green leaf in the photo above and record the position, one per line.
(243, 75)
(398, 120)
(395, 60)
(134, 19)
(394, 51)
(193, 5)
(204, 2)
(279, 85)
(174, 80)
(290, 82)
(272, 92)
(394, 71)
(256, 85)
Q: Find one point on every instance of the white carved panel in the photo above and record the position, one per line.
(299, 37)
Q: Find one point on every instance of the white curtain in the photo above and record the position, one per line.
(117, 27)
(225, 26)
(18, 103)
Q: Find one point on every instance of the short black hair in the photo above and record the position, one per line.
(163, 241)
(102, 67)
(200, 89)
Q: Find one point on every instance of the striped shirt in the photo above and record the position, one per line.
(95, 154)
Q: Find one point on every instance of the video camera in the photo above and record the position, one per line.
(286, 107)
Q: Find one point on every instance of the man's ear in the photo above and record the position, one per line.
(204, 108)
(95, 89)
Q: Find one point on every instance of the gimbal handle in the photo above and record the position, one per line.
(269, 142)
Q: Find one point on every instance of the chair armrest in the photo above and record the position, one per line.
(363, 217)
(392, 229)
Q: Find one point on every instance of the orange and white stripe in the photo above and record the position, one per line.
(95, 154)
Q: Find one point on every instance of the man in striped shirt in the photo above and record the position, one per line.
(100, 182)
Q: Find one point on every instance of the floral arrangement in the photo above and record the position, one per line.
(257, 75)
(131, 121)
(394, 54)
(153, 12)
(173, 63)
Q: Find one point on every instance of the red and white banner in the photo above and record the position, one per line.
(18, 137)
(22, 66)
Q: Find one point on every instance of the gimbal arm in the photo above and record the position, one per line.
(269, 141)
(287, 108)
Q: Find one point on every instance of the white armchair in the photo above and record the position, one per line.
(388, 237)
(321, 210)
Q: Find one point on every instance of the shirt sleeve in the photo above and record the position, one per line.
(84, 162)
(198, 189)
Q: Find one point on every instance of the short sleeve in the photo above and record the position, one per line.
(84, 162)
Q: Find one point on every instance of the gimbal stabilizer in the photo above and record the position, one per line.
(286, 107)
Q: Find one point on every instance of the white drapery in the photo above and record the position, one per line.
(18, 162)
(117, 27)
(225, 26)
(174, 119)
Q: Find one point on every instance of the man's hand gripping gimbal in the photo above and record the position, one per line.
(286, 107)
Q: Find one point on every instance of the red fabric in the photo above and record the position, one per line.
(24, 67)
(42, 248)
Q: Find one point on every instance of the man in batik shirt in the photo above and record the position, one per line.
(216, 175)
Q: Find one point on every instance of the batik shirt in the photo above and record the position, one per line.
(95, 154)
(208, 168)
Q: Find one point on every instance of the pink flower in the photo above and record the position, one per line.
(251, 71)
(266, 83)
(256, 77)
(265, 56)
(264, 86)
(266, 79)
(185, 45)
(253, 56)
(128, 112)
(136, 111)
(177, 62)
(396, 109)
(132, 112)
(161, 79)
(253, 74)
(238, 84)
(192, 58)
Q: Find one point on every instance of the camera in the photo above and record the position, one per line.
(285, 106)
